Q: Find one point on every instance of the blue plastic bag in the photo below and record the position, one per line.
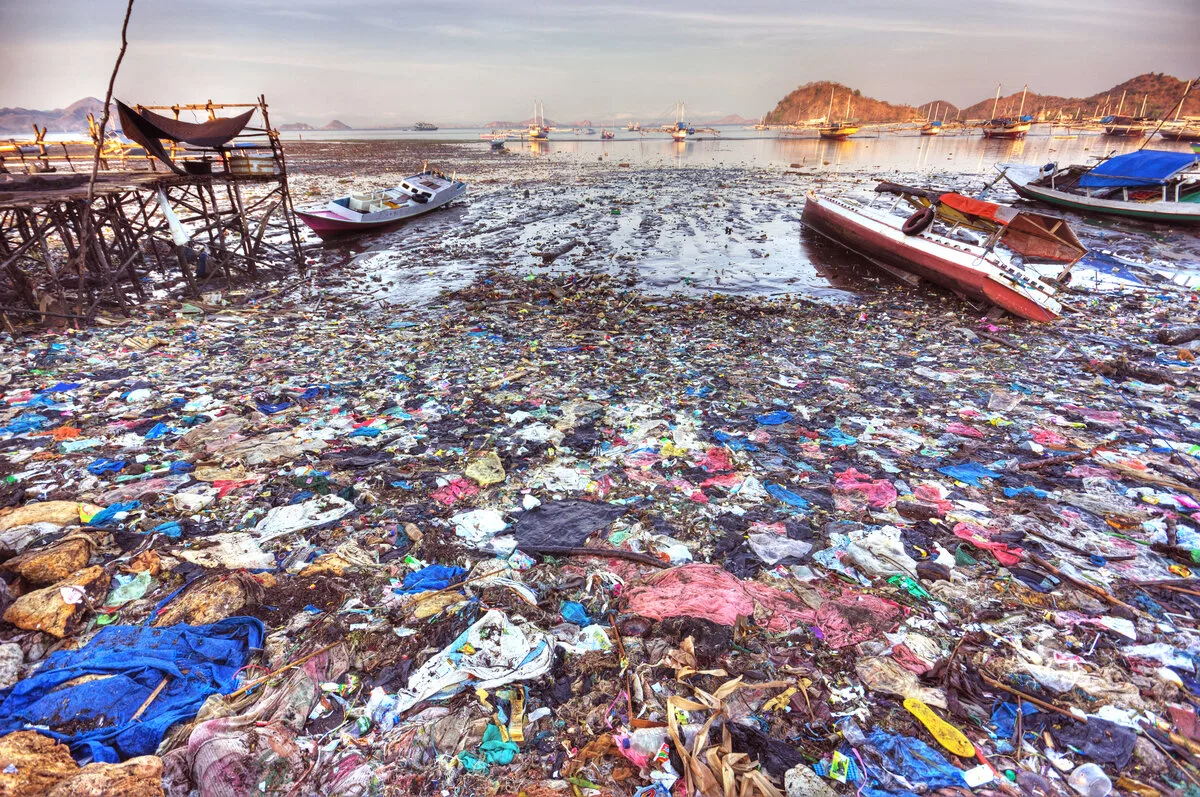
(786, 496)
(970, 473)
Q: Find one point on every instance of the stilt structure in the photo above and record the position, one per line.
(202, 217)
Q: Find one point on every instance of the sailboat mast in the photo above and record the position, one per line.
(1121, 104)
(1022, 111)
(996, 104)
(1142, 113)
(848, 106)
(829, 113)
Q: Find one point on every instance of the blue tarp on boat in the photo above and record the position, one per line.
(89, 698)
(1144, 167)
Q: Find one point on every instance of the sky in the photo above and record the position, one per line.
(393, 62)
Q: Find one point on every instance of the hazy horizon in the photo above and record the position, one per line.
(466, 61)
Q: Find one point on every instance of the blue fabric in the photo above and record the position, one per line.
(171, 528)
(1004, 717)
(366, 431)
(574, 612)
(1107, 264)
(734, 443)
(270, 409)
(430, 578)
(105, 465)
(970, 473)
(197, 661)
(62, 387)
(774, 418)
(837, 437)
(916, 761)
(1144, 167)
(29, 422)
(1013, 492)
(786, 496)
(109, 512)
(157, 431)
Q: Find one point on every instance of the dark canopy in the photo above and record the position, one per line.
(149, 129)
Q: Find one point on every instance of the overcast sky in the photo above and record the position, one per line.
(453, 61)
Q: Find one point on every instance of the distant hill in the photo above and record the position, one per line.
(1159, 92)
(293, 126)
(733, 119)
(811, 101)
(72, 119)
(337, 124)
(942, 109)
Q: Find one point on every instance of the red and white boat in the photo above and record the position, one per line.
(980, 250)
(418, 194)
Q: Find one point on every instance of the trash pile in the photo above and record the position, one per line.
(555, 536)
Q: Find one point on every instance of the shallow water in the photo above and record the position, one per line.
(713, 214)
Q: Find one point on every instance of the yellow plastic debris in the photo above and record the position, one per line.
(947, 735)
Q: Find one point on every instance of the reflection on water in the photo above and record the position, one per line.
(709, 214)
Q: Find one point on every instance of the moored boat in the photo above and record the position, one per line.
(983, 251)
(1126, 126)
(838, 131)
(415, 195)
(1005, 128)
(1181, 131)
(1152, 185)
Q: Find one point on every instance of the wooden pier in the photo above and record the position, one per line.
(60, 256)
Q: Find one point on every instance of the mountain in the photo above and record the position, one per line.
(812, 100)
(337, 124)
(733, 119)
(293, 126)
(942, 109)
(1159, 92)
(72, 119)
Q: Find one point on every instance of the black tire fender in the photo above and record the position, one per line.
(918, 222)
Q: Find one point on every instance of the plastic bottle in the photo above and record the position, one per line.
(1090, 781)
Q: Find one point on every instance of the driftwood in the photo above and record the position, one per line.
(550, 255)
(1120, 368)
(613, 553)
(1178, 335)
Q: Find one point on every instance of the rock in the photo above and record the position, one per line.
(137, 777)
(52, 609)
(486, 470)
(31, 764)
(11, 659)
(52, 564)
(60, 513)
(801, 781)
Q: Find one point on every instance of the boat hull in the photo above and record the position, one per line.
(1175, 213)
(326, 223)
(947, 266)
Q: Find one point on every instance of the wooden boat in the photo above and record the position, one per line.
(538, 130)
(1126, 126)
(1153, 185)
(931, 128)
(837, 131)
(986, 252)
(1005, 127)
(1181, 131)
(418, 194)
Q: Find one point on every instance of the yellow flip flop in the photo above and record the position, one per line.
(947, 735)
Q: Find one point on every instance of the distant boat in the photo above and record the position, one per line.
(997, 268)
(1181, 131)
(634, 127)
(1126, 126)
(1152, 185)
(762, 123)
(1005, 127)
(932, 126)
(681, 130)
(538, 131)
(415, 195)
(608, 134)
(837, 131)
(425, 126)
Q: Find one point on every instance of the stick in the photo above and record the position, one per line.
(1048, 461)
(1092, 588)
(616, 553)
(296, 663)
(146, 704)
(1039, 703)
